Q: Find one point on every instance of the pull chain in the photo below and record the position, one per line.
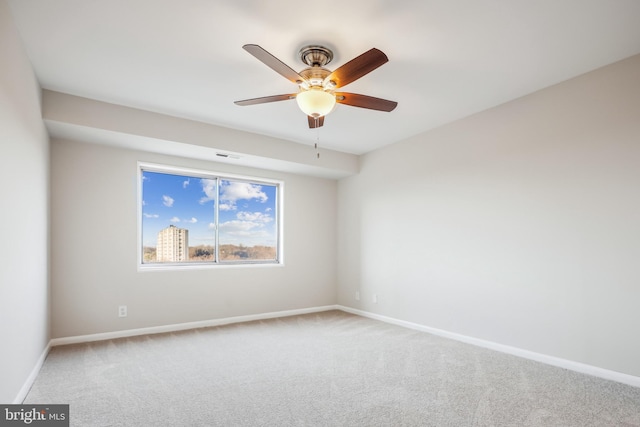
(317, 137)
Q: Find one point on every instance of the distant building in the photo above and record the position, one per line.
(173, 244)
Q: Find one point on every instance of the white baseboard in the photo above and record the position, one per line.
(185, 326)
(22, 394)
(538, 357)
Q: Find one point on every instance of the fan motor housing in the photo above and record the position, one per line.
(316, 56)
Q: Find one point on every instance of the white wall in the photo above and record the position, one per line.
(519, 225)
(24, 166)
(94, 249)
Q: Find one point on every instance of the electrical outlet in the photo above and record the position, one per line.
(375, 298)
(357, 295)
(122, 311)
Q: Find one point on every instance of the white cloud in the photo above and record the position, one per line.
(151, 215)
(254, 216)
(234, 191)
(175, 219)
(236, 226)
(230, 193)
(192, 220)
(185, 183)
(227, 207)
(245, 232)
(167, 201)
(209, 189)
(212, 226)
(248, 233)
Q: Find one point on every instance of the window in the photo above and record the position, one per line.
(192, 217)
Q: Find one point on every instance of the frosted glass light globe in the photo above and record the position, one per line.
(316, 102)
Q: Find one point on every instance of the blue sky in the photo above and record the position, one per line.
(247, 212)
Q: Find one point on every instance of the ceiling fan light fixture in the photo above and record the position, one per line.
(316, 84)
(315, 102)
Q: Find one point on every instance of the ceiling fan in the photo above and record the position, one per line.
(317, 85)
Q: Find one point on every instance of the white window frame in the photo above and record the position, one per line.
(201, 173)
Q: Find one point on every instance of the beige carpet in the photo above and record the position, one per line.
(326, 369)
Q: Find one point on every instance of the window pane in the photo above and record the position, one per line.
(193, 217)
(178, 218)
(248, 229)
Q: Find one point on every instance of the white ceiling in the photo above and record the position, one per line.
(447, 59)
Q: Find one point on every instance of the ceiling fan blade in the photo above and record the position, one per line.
(364, 101)
(273, 63)
(313, 123)
(265, 99)
(357, 67)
